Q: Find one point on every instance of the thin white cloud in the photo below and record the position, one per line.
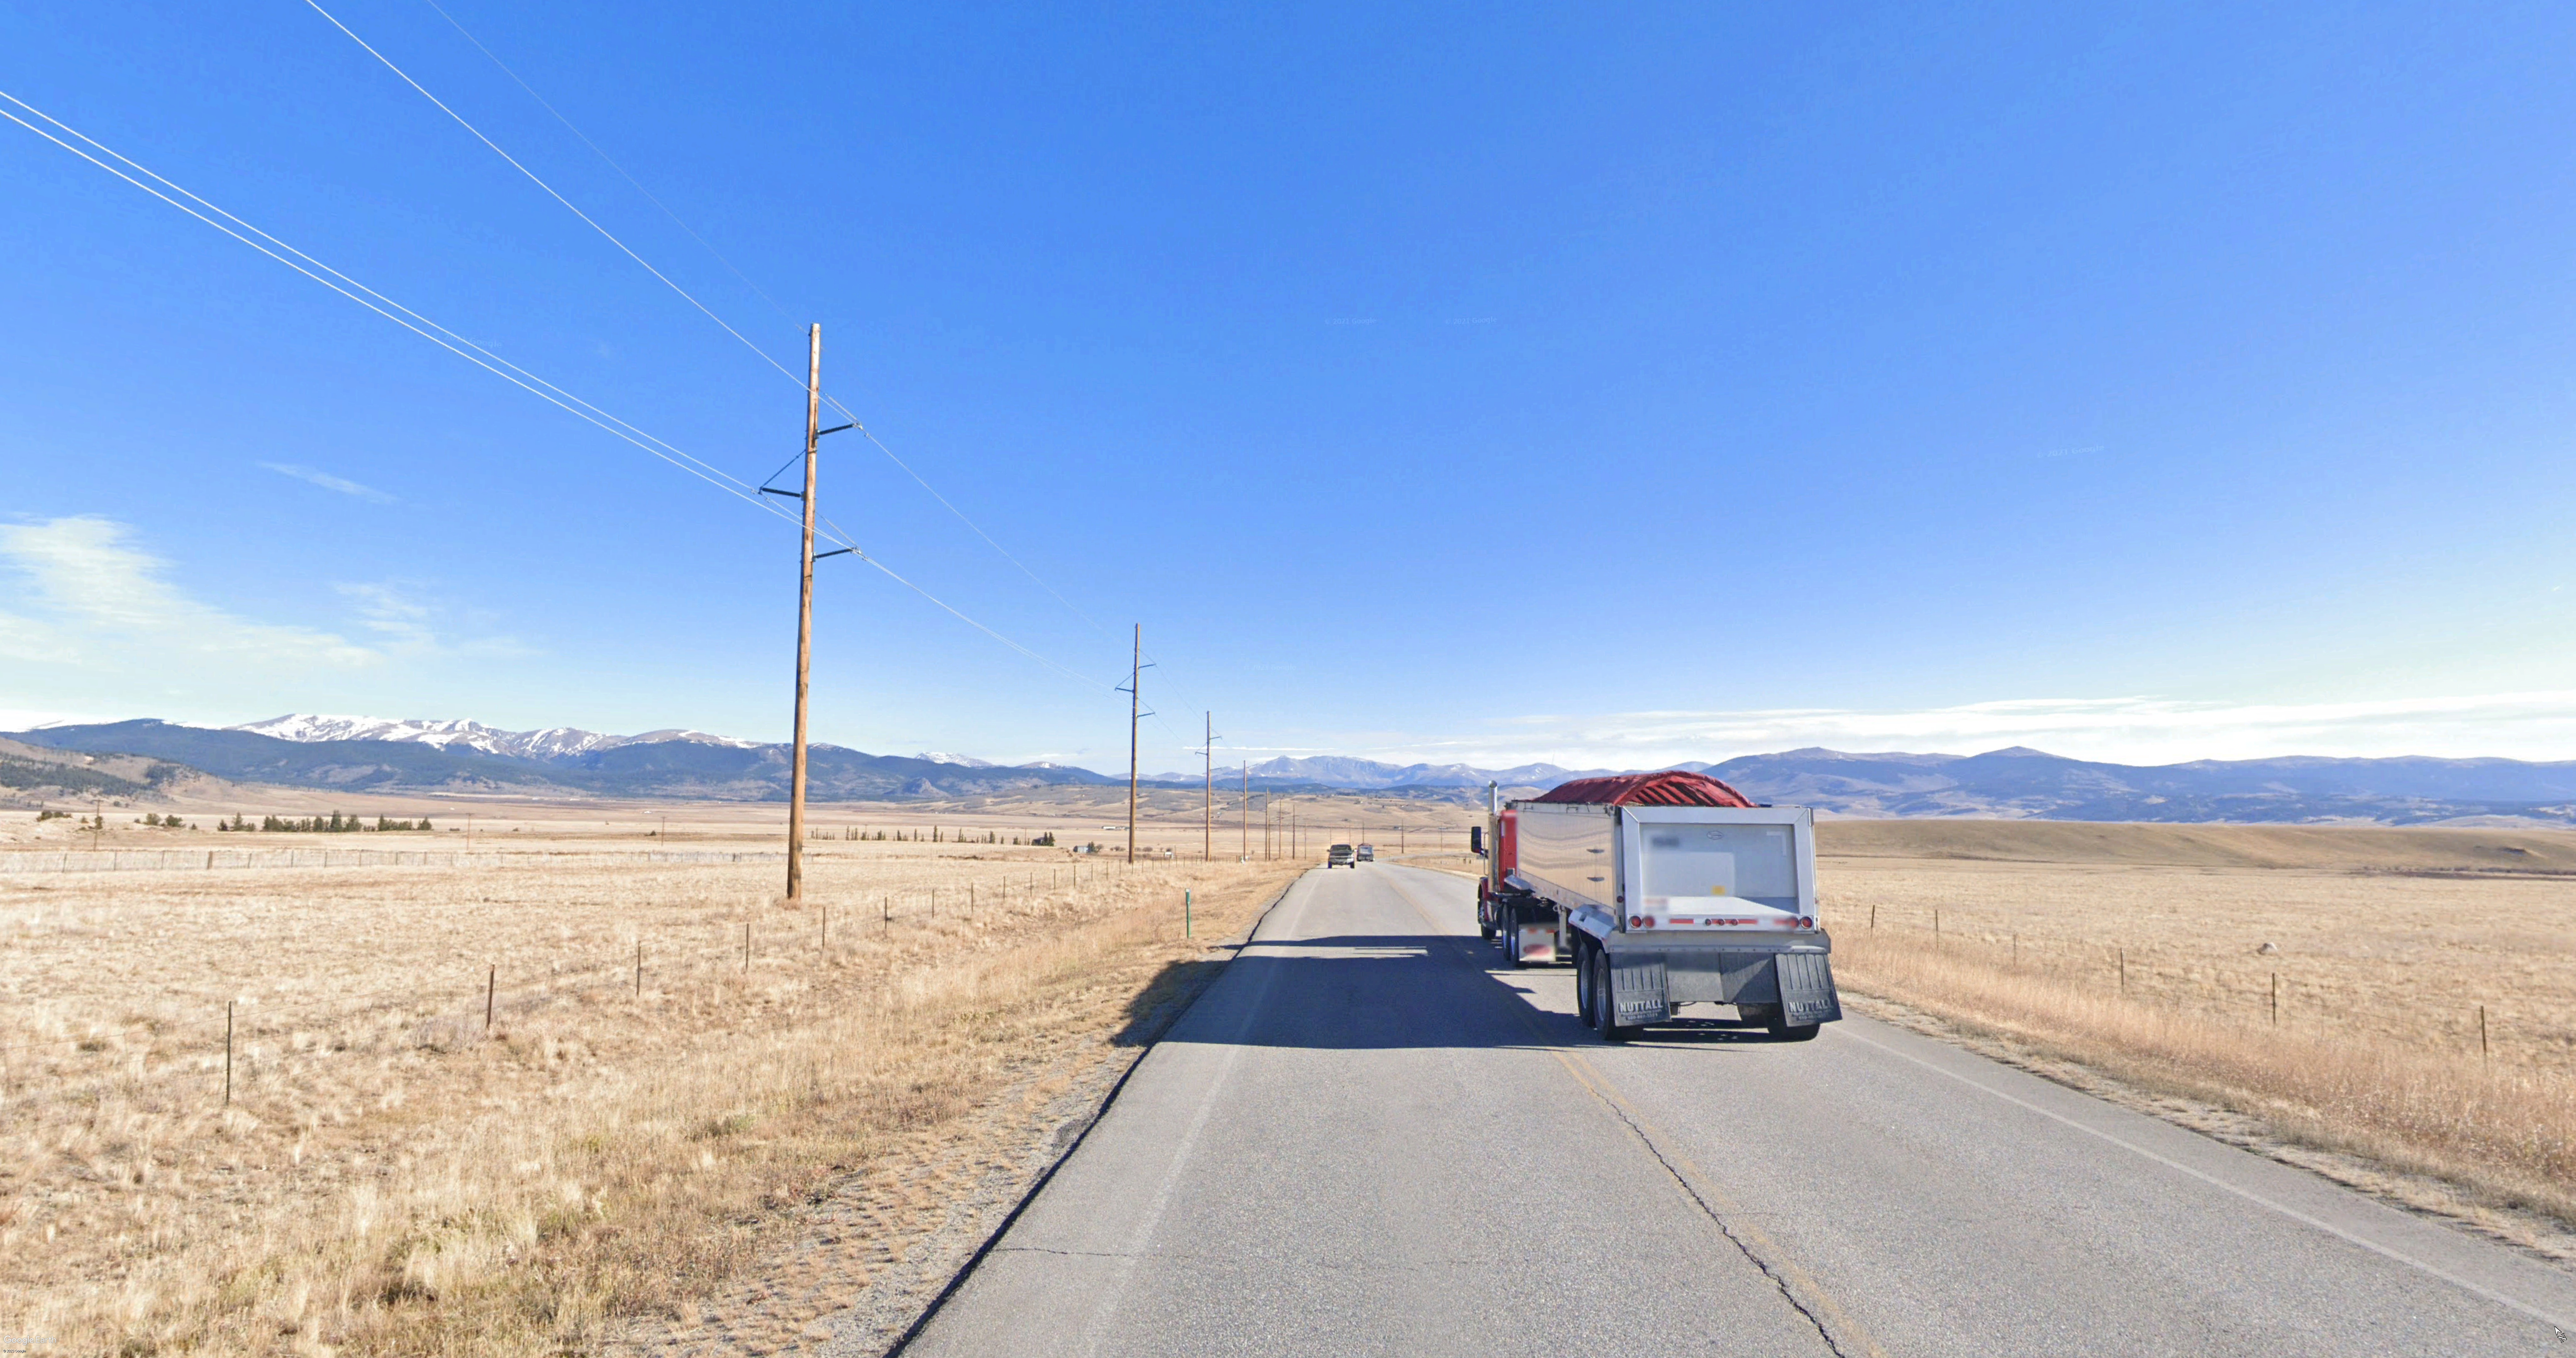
(329, 482)
(390, 613)
(410, 628)
(98, 602)
(2132, 730)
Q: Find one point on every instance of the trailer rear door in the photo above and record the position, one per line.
(1721, 868)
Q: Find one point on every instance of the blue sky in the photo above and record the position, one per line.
(1483, 383)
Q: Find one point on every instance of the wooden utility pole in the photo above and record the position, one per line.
(1243, 814)
(1207, 827)
(804, 622)
(1135, 668)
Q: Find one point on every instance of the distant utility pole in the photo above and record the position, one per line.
(1244, 811)
(1207, 829)
(1135, 670)
(804, 621)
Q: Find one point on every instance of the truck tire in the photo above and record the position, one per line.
(1794, 1032)
(1583, 978)
(1605, 1001)
(1484, 913)
(1507, 923)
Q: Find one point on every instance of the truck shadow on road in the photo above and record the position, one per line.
(1384, 992)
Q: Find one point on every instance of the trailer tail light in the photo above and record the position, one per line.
(1636, 921)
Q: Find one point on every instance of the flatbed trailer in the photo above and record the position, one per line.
(1662, 890)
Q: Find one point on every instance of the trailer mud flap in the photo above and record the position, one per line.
(1806, 982)
(1637, 991)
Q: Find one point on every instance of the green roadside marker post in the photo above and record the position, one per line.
(1185, 914)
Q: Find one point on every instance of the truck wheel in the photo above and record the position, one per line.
(1507, 922)
(1794, 1032)
(1485, 915)
(1605, 1000)
(1583, 979)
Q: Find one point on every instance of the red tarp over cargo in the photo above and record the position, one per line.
(1674, 788)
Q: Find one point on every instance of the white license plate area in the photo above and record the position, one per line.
(1537, 943)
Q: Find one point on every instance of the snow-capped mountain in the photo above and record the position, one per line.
(968, 760)
(554, 742)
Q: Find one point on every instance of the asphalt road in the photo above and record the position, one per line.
(1368, 1137)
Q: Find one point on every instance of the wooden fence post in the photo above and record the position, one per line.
(228, 1053)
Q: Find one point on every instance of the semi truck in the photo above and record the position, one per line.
(1661, 889)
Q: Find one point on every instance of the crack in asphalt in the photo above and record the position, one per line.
(1788, 1279)
(1779, 1279)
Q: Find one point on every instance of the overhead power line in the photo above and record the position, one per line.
(833, 401)
(586, 218)
(293, 258)
(961, 518)
(611, 162)
(377, 302)
(702, 307)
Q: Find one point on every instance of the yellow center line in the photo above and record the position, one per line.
(1841, 1332)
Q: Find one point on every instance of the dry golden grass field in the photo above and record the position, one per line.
(748, 1157)
(2152, 954)
(605, 1164)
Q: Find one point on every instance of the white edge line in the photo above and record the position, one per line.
(2213, 1181)
(1113, 1294)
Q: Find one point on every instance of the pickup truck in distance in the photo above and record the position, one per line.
(1368, 853)
(1339, 856)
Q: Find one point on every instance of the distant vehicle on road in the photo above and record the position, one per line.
(1663, 889)
(1368, 853)
(1339, 856)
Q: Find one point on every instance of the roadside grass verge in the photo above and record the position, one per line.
(397, 1181)
(2505, 1134)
